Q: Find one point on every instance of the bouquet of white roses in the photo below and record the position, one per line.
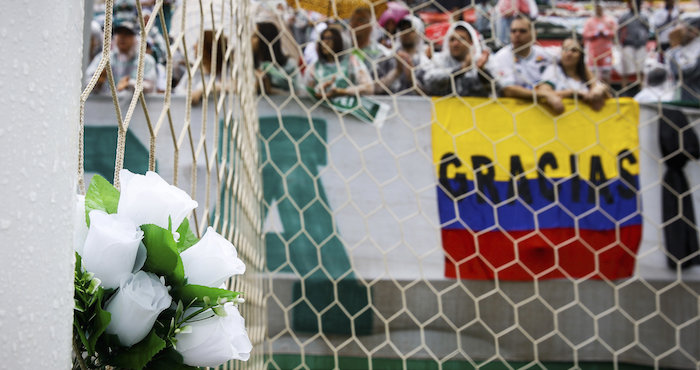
(147, 295)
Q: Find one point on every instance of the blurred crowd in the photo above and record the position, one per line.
(487, 48)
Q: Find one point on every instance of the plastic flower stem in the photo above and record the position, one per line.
(79, 355)
(194, 314)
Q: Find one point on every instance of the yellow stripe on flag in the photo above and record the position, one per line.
(504, 128)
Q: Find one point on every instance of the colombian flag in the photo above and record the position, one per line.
(523, 195)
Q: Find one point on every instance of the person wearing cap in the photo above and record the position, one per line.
(518, 67)
(459, 68)
(410, 54)
(124, 59)
(389, 22)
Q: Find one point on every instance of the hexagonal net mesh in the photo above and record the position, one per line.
(170, 92)
(421, 214)
(410, 195)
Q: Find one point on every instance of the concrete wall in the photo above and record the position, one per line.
(40, 71)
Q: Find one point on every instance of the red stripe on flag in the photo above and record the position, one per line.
(547, 254)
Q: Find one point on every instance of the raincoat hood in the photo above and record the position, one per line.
(476, 40)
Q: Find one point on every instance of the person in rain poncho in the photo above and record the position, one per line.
(410, 54)
(459, 68)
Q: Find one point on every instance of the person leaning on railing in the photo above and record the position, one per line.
(459, 66)
(570, 78)
(518, 67)
(410, 53)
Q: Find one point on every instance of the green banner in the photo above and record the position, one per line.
(363, 108)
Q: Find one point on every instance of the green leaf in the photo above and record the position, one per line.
(198, 294)
(78, 264)
(162, 257)
(107, 347)
(179, 311)
(168, 359)
(89, 319)
(99, 324)
(78, 330)
(101, 195)
(138, 355)
(187, 237)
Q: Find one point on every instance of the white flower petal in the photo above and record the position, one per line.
(135, 307)
(215, 340)
(211, 261)
(151, 200)
(110, 247)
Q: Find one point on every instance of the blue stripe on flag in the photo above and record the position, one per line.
(470, 211)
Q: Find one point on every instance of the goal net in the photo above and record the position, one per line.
(182, 105)
(399, 204)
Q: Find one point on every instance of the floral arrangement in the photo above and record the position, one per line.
(147, 295)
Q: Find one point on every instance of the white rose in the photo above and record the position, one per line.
(215, 340)
(135, 307)
(110, 247)
(211, 261)
(150, 200)
(80, 227)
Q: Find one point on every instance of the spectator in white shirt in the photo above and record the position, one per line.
(518, 67)
(570, 78)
